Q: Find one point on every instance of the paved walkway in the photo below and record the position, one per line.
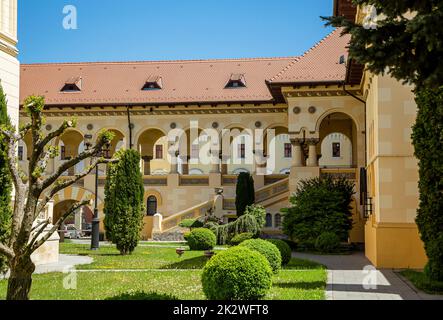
(353, 277)
(64, 264)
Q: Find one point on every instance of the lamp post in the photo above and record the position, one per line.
(95, 232)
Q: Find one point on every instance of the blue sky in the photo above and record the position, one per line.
(169, 29)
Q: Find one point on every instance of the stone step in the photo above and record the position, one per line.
(174, 234)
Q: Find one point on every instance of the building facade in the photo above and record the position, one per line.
(198, 124)
(9, 65)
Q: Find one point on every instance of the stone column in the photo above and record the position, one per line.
(297, 157)
(157, 223)
(261, 163)
(185, 164)
(215, 163)
(174, 163)
(313, 158)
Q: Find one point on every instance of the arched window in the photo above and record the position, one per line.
(277, 220)
(268, 220)
(152, 205)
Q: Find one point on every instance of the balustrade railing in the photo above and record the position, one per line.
(336, 173)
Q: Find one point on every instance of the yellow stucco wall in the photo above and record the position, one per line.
(392, 238)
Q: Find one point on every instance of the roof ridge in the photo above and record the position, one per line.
(159, 61)
(315, 46)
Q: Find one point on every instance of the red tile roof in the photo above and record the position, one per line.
(319, 64)
(193, 81)
(122, 82)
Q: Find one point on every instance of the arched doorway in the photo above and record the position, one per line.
(70, 144)
(278, 149)
(338, 141)
(152, 205)
(238, 150)
(81, 220)
(152, 145)
(117, 143)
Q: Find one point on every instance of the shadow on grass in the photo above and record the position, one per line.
(300, 285)
(141, 295)
(193, 263)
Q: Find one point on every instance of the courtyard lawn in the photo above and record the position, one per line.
(421, 282)
(159, 270)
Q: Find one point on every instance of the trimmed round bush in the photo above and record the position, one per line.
(186, 235)
(267, 249)
(285, 250)
(327, 242)
(237, 274)
(201, 239)
(236, 240)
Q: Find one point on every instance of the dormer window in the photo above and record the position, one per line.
(73, 85)
(236, 81)
(153, 83)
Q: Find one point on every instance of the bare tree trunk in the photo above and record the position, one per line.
(20, 280)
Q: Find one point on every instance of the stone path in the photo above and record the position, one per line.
(64, 264)
(352, 277)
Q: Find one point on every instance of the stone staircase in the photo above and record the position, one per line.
(168, 229)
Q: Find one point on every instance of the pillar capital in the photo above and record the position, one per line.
(297, 141)
(312, 141)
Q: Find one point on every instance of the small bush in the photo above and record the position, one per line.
(267, 249)
(186, 235)
(240, 238)
(201, 239)
(246, 223)
(285, 250)
(433, 269)
(317, 206)
(237, 274)
(327, 242)
(191, 223)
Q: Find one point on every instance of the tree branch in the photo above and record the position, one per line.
(41, 227)
(57, 225)
(69, 164)
(11, 139)
(54, 134)
(67, 183)
(8, 252)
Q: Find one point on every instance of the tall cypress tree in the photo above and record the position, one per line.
(245, 193)
(124, 193)
(5, 181)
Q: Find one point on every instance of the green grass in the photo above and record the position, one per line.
(421, 282)
(158, 273)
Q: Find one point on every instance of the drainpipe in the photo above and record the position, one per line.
(364, 102)
(363, 197)
(130, 127)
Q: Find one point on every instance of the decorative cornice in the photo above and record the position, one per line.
(83, 112)
(8, 45)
